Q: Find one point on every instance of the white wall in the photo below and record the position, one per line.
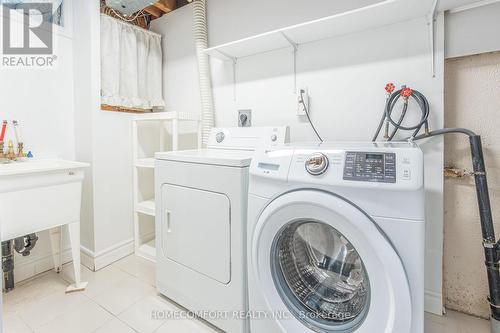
(104, 140)
(345, 77)
(86, 95)
(472, 31)
(42, 101)
(113, 198)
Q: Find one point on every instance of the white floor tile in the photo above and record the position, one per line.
(99, 281)
(14, 324)
(454, 322)
(33, 290)
(114, 326)
(123, 295)
(120, 299)
(44, 310)
(143, 269)
(85, 318)
(140, 315)
(184, 326)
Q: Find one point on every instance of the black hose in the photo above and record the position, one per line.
(424, 107)
(389, 108)
(444, 131)
(379, 128)
(400, 120)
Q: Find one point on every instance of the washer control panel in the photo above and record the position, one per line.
(395, 166)
(370, 167)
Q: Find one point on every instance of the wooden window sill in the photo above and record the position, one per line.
(114, 108)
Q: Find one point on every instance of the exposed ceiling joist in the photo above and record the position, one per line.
(161, 7)
(154, 11)
(166, 5)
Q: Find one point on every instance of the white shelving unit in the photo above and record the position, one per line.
(151, 133)
(379, 14)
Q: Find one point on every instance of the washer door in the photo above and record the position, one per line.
(324, 266)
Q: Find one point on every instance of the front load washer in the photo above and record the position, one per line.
(336, 239)
(201, 199)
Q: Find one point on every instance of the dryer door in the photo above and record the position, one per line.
(321, 259)
(196, 230)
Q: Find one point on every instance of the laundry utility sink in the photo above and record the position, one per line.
(37, 166)
(43, 194)
(39, 194)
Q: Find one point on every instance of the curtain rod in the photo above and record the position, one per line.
(133, 26)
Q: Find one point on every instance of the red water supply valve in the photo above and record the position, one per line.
(390, 87)
(406, 93)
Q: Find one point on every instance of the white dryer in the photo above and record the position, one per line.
(201, 199)
(336, 239)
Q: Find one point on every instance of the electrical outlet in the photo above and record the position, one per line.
(302, 102)
(244, 118)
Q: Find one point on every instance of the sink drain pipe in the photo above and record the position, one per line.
(201, 42)
(7, 266)
(490, 243)
(23, 246)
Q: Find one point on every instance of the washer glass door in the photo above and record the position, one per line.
(323, 265)
(320, 275)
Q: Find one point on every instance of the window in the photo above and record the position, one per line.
(50, 10)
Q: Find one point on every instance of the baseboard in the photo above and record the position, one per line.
(434, 302)
(96, 261)
(30, 268)
(87, 258)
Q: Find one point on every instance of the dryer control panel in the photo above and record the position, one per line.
(370, 167)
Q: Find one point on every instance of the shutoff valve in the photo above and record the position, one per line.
(406, 93)
(390, 87)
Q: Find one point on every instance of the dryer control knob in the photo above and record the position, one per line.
(317, 164)
(219, 137)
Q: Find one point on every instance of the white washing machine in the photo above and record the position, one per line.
(336, 239)
(201, 199)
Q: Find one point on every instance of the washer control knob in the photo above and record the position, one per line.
(317, 164)
(274, 137)
(219, 137)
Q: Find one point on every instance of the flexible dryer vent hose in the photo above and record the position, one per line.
(201, 43)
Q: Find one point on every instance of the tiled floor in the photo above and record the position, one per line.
(120, 299)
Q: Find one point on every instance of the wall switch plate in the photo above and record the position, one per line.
(244, 118)
(302, 102)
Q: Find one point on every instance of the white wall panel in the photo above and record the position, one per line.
(472, 31)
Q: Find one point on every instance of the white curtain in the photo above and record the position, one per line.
(131, 65)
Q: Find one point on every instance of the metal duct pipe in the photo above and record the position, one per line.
(7, 266)
(201, 43)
